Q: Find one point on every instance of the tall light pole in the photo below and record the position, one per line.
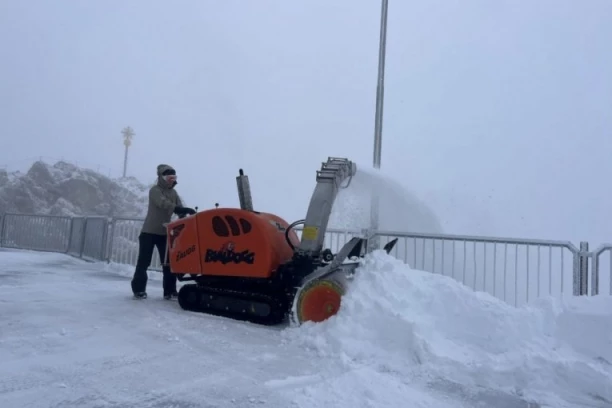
(127, 133)
(380, 85)
(378, 121)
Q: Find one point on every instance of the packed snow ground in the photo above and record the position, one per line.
(71, 336)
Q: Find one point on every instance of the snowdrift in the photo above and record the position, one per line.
(402, 331)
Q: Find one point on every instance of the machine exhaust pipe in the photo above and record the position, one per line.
(244, 191)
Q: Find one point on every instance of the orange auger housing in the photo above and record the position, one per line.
(251, 265)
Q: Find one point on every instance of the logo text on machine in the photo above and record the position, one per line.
(226, 254)
(183, 254)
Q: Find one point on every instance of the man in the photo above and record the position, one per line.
(163, 202)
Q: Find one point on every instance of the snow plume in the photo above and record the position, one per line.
(402, 331)
(399, 209)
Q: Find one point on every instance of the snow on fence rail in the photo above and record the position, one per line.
(514, 270)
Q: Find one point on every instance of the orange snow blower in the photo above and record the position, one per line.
(251, 265)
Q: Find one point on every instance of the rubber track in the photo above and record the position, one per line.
(254, 307)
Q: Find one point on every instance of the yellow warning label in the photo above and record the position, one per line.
(310, 233)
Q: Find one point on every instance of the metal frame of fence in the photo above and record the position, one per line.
(82, 237)
(514, 270)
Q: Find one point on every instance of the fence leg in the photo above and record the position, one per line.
(584, 268)
(576, 274)
(85, 219)
(595, 275)
(70, 234)
(103, 249)
(2, 220)
(110, 241)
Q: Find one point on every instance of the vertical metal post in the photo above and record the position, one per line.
(380, 85)
(581, 270)
(2, 220)
(595, 274)
(584, 268)
(102, 255)
(110, 241)
(82, 243)
(373, 242)
(70, 234)
(125, 159)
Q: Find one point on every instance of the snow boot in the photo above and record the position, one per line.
(173, 295)
(140, 295)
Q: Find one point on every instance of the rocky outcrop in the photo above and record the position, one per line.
(65, 189)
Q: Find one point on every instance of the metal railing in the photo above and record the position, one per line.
(36, 232)
(514, 270)
(597, 277)
(83, 237)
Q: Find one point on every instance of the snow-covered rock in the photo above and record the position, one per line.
(65, 189)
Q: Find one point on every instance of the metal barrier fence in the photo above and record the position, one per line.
(601, 270)
(514, 270)
(83, 237)
(36, 232)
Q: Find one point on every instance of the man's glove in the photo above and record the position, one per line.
(183, 211)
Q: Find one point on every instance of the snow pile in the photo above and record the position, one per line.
(401, 331)
(65, 189)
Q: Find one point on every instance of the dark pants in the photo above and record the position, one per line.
(145, 254)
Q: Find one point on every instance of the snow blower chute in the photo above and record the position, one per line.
(251, 265)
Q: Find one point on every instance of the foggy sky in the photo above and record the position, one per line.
(498, 114)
